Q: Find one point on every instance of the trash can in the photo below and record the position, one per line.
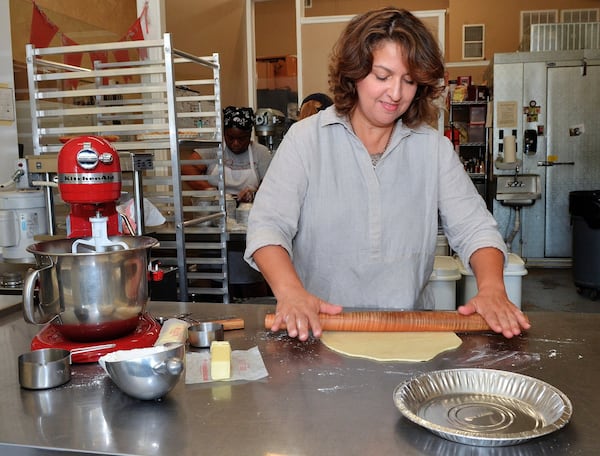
(584, 207)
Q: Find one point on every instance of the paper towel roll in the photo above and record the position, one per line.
(510, 149)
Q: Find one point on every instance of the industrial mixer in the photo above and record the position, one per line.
(92, 286)
(89, 180)
(269, 125)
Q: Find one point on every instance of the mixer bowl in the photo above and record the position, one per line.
(147, 373)
(89, 295)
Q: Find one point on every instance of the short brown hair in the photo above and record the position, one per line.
(352, 60)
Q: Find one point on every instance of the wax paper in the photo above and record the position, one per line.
(245, 365)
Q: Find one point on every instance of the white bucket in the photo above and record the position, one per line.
(441, 246)
(443, 282)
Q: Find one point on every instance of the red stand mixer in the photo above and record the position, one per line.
(89, 179)
(92, 286)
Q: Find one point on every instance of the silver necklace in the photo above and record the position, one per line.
(376, 157)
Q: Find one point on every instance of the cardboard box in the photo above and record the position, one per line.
(286, 82)
(476, 133)
(477, 114)
(287, 66)
(265, 75)
(477, 93)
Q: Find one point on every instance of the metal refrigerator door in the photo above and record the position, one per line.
(573, 99)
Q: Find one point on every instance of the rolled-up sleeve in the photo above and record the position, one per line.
(467, 223)
(273, 219)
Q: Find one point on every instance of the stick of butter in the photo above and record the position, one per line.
(174, 330)
(220, 360)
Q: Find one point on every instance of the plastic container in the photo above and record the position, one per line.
(441, 246)
(242, 212)
(443, 282)
(513, 275)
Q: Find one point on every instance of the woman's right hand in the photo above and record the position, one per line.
(298, 312)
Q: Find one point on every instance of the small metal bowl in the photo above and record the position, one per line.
(45, 368)
(202, 334)
(146, 373)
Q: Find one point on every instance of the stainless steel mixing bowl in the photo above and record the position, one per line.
(149, 375)
(88, 296)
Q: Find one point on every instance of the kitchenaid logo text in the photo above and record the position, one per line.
(89, 178)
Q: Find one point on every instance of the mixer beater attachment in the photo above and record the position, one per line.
(99, 242)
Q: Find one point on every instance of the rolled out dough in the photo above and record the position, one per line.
(391, 346)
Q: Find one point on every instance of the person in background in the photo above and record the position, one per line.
(347, 214)
(245, 161)
(193, 170)
(314, 103)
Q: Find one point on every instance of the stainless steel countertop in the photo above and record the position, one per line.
(314, 401)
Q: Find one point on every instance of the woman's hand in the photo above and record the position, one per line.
(298, 311)
(491, 301)
(496, 309)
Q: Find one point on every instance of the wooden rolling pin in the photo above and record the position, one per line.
(407, 321)
(230, 323)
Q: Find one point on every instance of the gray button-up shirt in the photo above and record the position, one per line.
(364, 236)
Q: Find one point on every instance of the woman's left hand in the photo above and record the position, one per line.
(491, 301)
(496, 309)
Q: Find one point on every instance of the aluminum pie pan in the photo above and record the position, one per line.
(483, 407)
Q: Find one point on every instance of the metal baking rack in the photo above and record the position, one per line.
(156, 103)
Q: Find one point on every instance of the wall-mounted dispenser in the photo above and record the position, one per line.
(530, 142)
